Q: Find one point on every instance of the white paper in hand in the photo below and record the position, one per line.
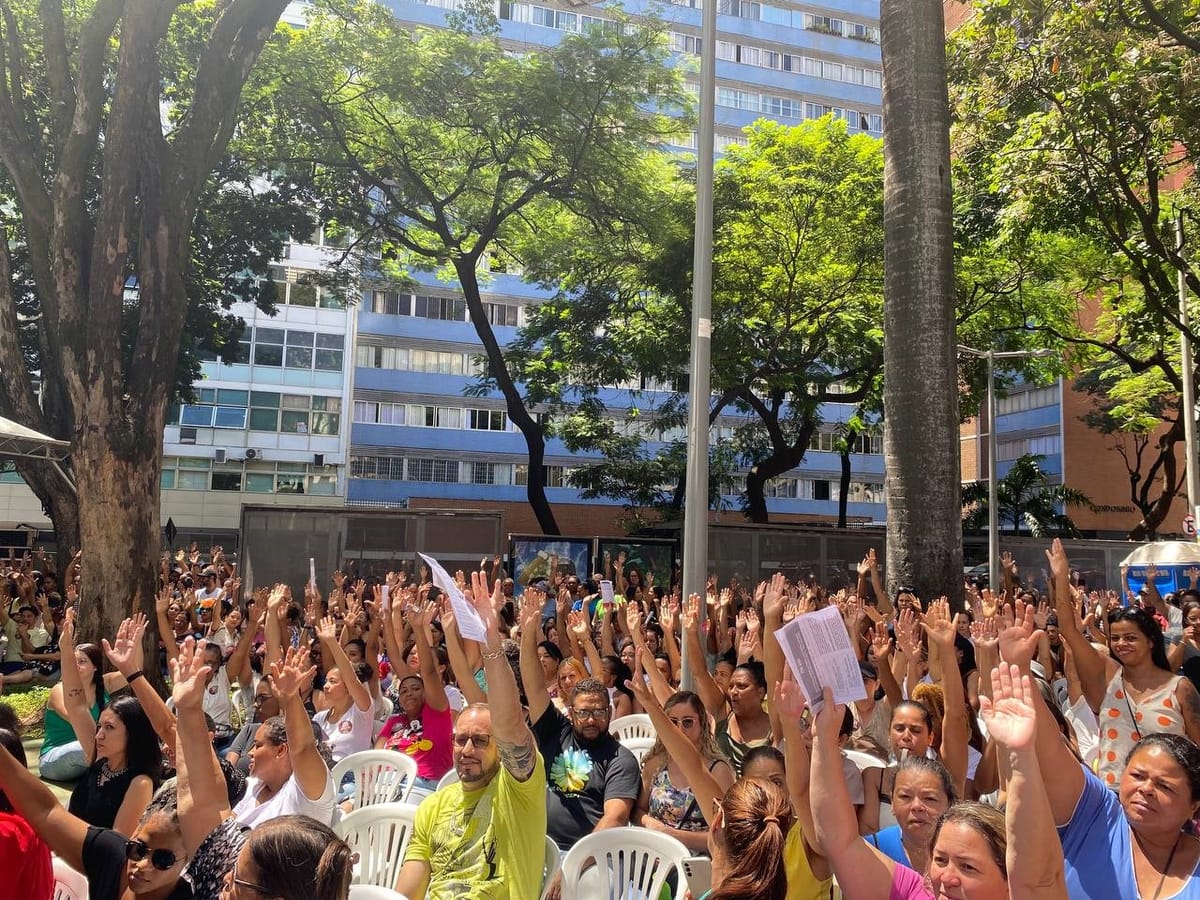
(384, 597)
(606, 593)
(818, 649)
(469, 624)
(312, 573)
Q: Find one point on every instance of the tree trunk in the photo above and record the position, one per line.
(535, 437)
(783, 458)
(920, 395)
(844, 493)
(1155, 510)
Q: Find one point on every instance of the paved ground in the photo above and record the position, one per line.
(62, 789)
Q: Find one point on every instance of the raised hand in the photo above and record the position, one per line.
(487, 603)
(532, 603)
(163, 601)
(789, 699)
(774, 592)
(67, 632)
(985, 634)
(577, 625)
(125, 653)
(881, 642)
(1060, 566)
(1010, 714)
(691, 613)
(668, 616)
(633, 621)
(988, 603)
(1019, 641)
(290, 673)
(189, 676)
(326, 629)
(906, 633)
(939, 625)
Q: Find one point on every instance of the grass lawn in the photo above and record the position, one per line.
(29, 702)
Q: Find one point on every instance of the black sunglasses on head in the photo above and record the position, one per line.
(163, 860)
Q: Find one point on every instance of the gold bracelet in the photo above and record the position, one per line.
(494, 654)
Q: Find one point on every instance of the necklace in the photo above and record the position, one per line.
(1166, 869)
(106, 774)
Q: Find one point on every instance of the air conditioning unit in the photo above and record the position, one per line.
(187, 435)
(219, 455)
(318, 459)
(251, 453)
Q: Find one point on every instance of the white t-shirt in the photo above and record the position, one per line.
(349, 734)
(217, 702)
(290, 800)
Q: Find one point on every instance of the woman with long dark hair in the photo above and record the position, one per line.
(121, 750)
(1133, 690)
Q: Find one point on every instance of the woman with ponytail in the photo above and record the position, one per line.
(291, 856)
(746, 839)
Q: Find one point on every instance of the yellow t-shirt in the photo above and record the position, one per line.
(802, 883)
(484, 845)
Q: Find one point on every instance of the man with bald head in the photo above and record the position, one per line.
(483, 838)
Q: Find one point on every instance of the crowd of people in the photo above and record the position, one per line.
(982, 734)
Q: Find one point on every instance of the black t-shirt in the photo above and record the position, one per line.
(104, 866)
(580, 776)
(98, 804)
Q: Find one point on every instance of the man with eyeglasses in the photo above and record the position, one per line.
(482, 837)
(593, 780)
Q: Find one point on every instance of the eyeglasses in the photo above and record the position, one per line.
(590, 713)
(686, 723)
(250, 886)
(163, 860)
(260, 699)
(479, 740)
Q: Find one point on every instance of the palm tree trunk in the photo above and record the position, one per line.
(920, 395)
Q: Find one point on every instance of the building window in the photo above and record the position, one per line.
(487, 419)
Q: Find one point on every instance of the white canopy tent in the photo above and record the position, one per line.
(19, 442)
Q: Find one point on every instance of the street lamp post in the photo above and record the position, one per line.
(695, 511)
(993, 504)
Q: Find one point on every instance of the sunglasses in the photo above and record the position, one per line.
(590, 713)
(479, 740)
(163, 860)
(685, 723)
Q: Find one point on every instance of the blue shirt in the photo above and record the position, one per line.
(890, 842)
(1096, 846)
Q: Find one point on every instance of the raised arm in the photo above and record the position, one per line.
(464, 672)
(658, 685)
(1018, 643)
(35, 803)
(125, 653)
(679, 748)
(882, 599)
(514, 740)
(276, 615)
(1035, 865)
(239, 659)
(791, 708)
(710, 692)
(536, 695)
(435, 691)
(669, 617)
(772, 593)
(884, 648)
(1091, 666)
(162, 604)
(203, 797)
(74, 700)
(860, 869)
(360, 694)
(287, 676)
(939, 625)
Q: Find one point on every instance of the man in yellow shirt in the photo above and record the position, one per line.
(483, 838)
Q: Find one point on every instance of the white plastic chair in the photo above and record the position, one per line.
(629, 862)
(550, 866)
(379, 835)
(68, 883)
(864, 760)
(636, 725)
(372, 892)
(638, 746)
(449, 778)
(380, 776)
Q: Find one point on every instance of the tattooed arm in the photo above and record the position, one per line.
(514, 740)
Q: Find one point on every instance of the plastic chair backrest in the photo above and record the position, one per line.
(449, 778)
(380, 776)
(372, 892)
(378, 834)
(68, 883)
(864, 760)
(550, 867)
(638, 746)
(629, 862)
(636, 725)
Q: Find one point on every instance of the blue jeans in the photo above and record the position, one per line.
(63, 763)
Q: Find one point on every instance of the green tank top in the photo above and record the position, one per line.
(59, 730)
